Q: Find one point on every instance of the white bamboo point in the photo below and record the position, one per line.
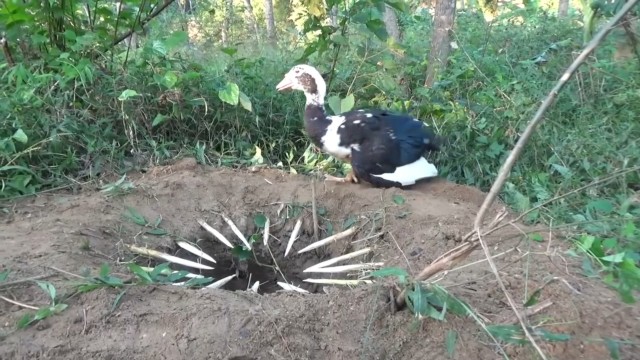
(294, 236)
(329, 239)
(220, 283)
(255, 287)
(215, 233)
(292, 288)
(265, 234)
(338, 258)
(195, 251)
(236, 231)
(167, 257)
(338, 281)
(345, 268)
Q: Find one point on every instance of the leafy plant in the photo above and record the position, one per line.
(55, 307)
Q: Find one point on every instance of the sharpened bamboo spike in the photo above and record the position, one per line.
(215, 233)
(195, 251)
(294, 236)
(167, 257)
(338, 281)
(345, 268)
(236, 231)
(265, 235)
(329, 239)
(292, 288)
(337, 259)
(220, 283)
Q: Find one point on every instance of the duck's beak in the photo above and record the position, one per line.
(285, 84)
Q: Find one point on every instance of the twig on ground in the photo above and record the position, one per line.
(314, 211)
(65, 272)
(18, 303)
(532, 310)
(20, 281)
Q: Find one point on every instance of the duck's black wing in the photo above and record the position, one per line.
(387, 148)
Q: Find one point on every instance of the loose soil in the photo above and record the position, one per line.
(77, 233)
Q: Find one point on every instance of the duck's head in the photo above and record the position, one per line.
(307, 79)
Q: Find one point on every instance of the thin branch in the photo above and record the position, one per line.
(18, 303)
(538, 118)
(474, 238)
(20, 281)
(144, 22)
(517, 150)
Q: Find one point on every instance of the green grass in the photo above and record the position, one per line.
(73, 116)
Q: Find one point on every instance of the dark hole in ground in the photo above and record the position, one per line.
(260, 267)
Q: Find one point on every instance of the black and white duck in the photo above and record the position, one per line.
(384, 149)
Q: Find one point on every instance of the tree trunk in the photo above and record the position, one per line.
(391, 23)
(251, 19)
(440, 44)
(333, 16)
(563, 8)
(271, 22)
(226, 23)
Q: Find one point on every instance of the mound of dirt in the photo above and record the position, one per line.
(58, 235)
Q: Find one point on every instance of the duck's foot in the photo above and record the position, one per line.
(350, 178)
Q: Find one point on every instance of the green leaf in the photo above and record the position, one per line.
(347, 103)
(162, 268)
(58, 308)
(133, 215)
(551, 336)
(127, 94)
(450, 342)
(176, 39)
(140, 273)
(260, 220)
(400, 273)
(43, 313)
(159, 120)
(609, 243)
(417, 300)
(230, 93)
(398, 199)
(48, 288)
(25, 321)
(601, 205)
(4, 275)
(536, 237)
(117, 300)
(196, 282)
(334, 103)
(615, 258)
(245, 102)
(508, 333)
(178, 275)
(20, 136)
(229, 50)
(158, 221)
(533, 299)
(104, 270)
(156, 231)
(349, 222)
(614, 348)
(170, 79)
(69, 35)
(241, 253)
(377, 27)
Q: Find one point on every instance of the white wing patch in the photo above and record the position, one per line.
(331, 139)
(409, 174)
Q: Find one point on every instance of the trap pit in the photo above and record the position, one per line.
(260, 265)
